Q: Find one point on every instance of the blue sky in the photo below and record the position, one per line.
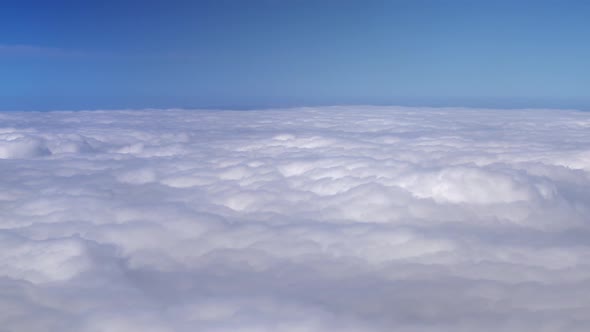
(266, 53)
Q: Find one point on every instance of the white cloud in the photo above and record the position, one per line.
(314, 219)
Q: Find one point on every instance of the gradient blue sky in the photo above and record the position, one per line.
(264, 53)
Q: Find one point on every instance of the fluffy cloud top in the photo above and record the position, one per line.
(316, 219)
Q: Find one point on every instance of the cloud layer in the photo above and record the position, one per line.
(315, 219)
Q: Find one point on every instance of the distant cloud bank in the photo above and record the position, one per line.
(314, 219)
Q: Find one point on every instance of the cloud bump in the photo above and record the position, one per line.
(314, 219)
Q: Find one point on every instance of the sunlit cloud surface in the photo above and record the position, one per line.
(314, 219)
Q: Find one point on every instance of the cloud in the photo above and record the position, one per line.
(312, 219)
(36, 50)
(24, 50)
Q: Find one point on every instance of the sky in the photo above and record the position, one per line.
(277, 53)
